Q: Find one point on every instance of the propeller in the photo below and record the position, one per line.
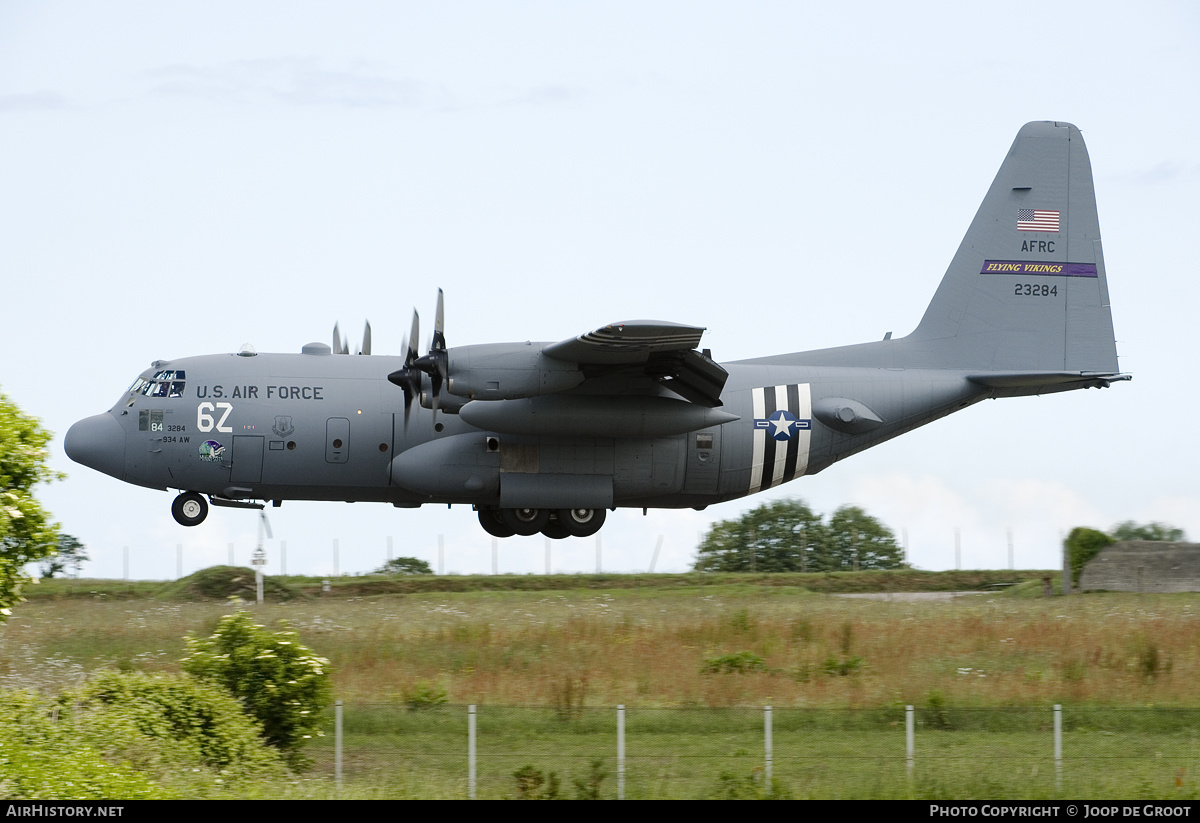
(342, 346)
(408, 377)
(339, 342)
(437, 363)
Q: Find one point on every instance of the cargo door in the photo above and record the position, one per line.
(247, 459)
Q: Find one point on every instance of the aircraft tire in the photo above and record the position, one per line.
(492, 523)
(555, 530)
(189, 509)
(581, 522)
(525, 522)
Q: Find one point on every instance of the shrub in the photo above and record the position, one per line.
(119, 711)
(279, 681)
(533, 784)
(753, 786)
(1082, 545)
(740, 662)
(424, 695)
(44, 760)
(588, 788)
(405, 565)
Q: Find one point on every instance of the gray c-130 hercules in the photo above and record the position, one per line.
(546, 437)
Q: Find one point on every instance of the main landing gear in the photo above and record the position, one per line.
(554, 523)
(189, 509)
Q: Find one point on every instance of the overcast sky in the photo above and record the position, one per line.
(178, 179)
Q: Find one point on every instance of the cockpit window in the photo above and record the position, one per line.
(166, 383)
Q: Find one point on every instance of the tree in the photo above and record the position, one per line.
(69, 556)
(786, 536)
(404, 565)
(776, 537)
(855, 540)
(1130, 530)
(26, 533)
(278, 680)
(1082, 545)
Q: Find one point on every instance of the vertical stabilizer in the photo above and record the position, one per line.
(1026, 290)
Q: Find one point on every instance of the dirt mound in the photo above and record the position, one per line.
(224, 582)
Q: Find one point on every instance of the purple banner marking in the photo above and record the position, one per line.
(1030, 267)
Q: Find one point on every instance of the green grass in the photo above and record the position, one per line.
(682, 753)
(981, 671)
(197, 586)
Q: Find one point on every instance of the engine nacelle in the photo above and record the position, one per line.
(508, 371)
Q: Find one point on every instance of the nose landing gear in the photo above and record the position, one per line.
(189, 509)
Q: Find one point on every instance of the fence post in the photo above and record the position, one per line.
(620, 752)
(770, 749)
(337, 742)
(1058, 746)
(471, 751)
(908, 739)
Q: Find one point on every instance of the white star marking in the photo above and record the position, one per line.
(782, 425)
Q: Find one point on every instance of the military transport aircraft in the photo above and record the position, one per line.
(546, 437)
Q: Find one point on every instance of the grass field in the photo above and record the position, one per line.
(695, 663)
(698, 753)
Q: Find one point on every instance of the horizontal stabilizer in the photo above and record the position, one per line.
(1021, 380)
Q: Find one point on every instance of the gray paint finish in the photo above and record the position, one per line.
(633, 414)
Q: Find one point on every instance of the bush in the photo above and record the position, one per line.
(118, 711)
(279, 681)
(44, 760)
(533, 784)
(1082, 545)
(405, 565)
(739, 662)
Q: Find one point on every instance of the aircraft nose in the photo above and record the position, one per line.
(98, 442)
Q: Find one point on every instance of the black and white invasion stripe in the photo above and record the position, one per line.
(777, 461)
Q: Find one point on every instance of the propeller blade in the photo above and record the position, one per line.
(410, 355)
(408, 377)
(339, 341)
(437, 363)
(366, 341)
(439, 325)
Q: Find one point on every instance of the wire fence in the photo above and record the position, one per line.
(642, 753)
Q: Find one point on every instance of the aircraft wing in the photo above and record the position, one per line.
(626, 343)
(664, 351)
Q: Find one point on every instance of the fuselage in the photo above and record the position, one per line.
(318, 427)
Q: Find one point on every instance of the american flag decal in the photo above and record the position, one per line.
(1037, 220)
(778, 461)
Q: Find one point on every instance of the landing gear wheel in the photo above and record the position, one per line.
(555, 530)
(581, 522)
(492, 523)
(525, 522)
(189, 509)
